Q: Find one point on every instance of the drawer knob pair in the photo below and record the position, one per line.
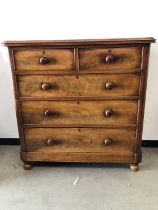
(44, 60)
(47, 113)
(108, 113)
(50, 141)
(109, 85)
(107, 142)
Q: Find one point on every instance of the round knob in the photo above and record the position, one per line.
(45, 86)
(50, 141)
(109, 85)
(44, 60)
(109, 59)
(109, 112)
(107, 142)
(47, 112)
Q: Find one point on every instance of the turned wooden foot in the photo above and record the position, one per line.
(27, 166)
(134, 167)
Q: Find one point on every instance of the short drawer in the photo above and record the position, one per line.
(110, 58)
(107, 140)
(82, 85)
(44, 59)
(108, 112)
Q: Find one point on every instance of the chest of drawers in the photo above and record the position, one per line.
(80, 100)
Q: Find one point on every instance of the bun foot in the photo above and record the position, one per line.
(27, 166)
(134, 167)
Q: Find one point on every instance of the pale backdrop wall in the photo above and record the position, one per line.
(75, 20)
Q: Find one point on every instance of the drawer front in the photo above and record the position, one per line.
(110, 141)
(44, 59)
(108, 112)
(110, 58)
(82, 85)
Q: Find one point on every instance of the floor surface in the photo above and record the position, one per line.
(78, 186)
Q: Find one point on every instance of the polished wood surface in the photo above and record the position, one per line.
(113, 41)
(86, 157)
(44, 59)
(80, 100)
(81, 140)
(110, 58)
(79, 85)
(79, 112)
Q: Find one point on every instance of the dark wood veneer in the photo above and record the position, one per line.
(76, 104)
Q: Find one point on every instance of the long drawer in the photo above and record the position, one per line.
(111, 85)
(110, 141)
(109, 112)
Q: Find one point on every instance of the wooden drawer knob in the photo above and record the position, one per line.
(44, 60)
(47, 113)
(109, 59)
(45, 86)
(107, 142)
(109, 112)
(109, 85)
(50, 141)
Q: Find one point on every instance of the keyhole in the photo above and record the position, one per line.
(78, 102)
(77, 77)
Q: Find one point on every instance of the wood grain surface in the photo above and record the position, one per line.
(81, 140)
(79, 85)
(123, 58)
(59, 59)
(80, 100)
(79, 112)
(114, 41)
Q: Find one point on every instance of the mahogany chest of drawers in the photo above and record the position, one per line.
(80, 100)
